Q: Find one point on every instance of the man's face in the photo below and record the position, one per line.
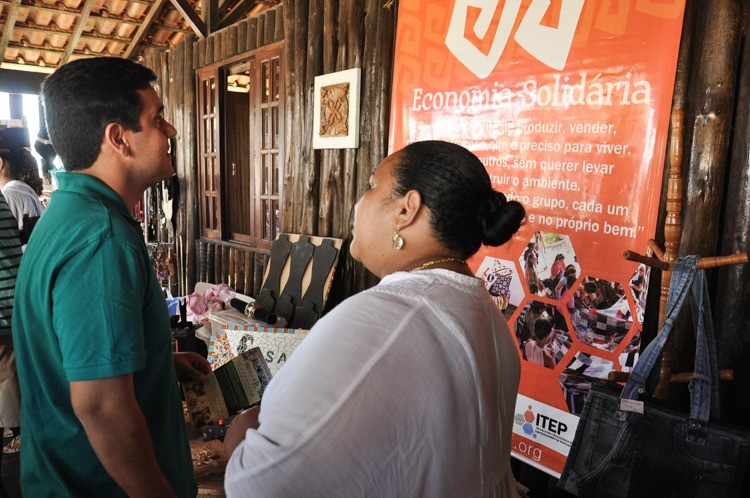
(150, 146)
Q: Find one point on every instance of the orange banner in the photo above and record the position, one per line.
(566, 102)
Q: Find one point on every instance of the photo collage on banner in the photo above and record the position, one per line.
(567, 105)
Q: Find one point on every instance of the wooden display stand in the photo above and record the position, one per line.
(298, 278)
(665, 259)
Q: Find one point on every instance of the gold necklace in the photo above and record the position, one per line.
(437, 262)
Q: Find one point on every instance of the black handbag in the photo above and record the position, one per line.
(624, 447)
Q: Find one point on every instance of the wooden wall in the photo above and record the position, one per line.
(321, 187)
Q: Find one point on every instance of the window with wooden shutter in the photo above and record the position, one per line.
(241, 188)
(209, 166)
(270, 133)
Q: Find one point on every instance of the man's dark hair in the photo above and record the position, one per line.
(82, 97)
(465, 211)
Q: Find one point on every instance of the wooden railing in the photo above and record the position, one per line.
(241, 267)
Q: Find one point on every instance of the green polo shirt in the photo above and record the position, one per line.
(88, 306)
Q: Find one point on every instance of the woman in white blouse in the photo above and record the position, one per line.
(407, 388)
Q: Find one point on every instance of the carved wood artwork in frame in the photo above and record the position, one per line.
(336, 110)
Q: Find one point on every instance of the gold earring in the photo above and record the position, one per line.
(397, 240)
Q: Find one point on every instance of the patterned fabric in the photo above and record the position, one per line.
(598, 329)
(10, 258)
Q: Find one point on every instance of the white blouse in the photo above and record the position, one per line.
(405, 389)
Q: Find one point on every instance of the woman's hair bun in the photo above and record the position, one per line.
(500, 219)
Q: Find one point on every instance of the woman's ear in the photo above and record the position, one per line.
(410, 207)
(115, 139)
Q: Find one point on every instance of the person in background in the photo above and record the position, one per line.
(43, 146)
(408, 388)
(11, 139)
(558, 266)
(637, 282)
(21, 187)
(91, 328)
(529, 271)
(539, 350)
(525, 323)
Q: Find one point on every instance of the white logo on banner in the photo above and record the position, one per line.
(544, 424)
(549, 45)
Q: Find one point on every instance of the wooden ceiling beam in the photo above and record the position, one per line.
(236, 13)
(148, 22)
(76, 35)
(120, 19)
(10, 21)
(210, 14)
(36, 48)
(191, 17)
(175, 29)
(113, 37)
(41, 29)
(57, 9)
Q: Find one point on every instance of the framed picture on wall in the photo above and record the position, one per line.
(336, 110)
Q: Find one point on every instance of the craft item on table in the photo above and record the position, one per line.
(209, 459)
(218, 430)
(300, 255)
(309, 310)
(251, 311)
(199, 304)
(235, 386)
(277, 344)
(271, 289)
(219, 350)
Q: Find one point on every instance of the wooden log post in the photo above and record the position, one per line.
(708, 126)
(733, 292)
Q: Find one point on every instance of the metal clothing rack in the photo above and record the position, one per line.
(665, 259)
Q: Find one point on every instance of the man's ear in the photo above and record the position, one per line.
(115, 139)
(411, 205)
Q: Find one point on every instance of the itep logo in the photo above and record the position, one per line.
(526, 421)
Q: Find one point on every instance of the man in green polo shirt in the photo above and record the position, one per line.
(101, 408)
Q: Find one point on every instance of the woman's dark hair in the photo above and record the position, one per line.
(465, 211)
(23, 167)
(82, 97)
(537, 306)
(542, 328)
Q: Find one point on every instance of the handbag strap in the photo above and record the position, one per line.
(704, 388)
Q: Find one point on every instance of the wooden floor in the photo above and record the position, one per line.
(10, 473)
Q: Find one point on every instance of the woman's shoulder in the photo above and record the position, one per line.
(417, 286)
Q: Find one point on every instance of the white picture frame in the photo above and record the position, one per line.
(336, 105)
